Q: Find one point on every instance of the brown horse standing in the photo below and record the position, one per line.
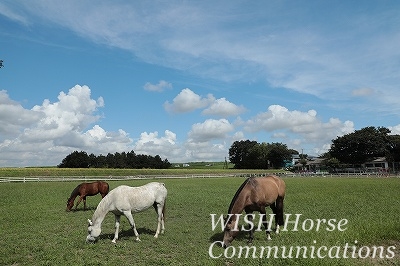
(254, 195)
(87, 189)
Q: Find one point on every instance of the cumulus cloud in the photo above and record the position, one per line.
(279, 117)
(210, 129)
(205, 151)
(187, 101)
(165, 146)
(160, 87)
(14, 117)
(297, 128)
(73, 112)
(223, 108)
(45, 134)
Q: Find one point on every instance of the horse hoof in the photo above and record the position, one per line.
(114, 241)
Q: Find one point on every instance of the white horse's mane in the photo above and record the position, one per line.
(101, 210)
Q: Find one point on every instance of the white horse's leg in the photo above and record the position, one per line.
(128, 215)
(117, 221)
(160, 220)
(162, 223)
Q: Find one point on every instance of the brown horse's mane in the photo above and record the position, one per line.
(74, 192)
(250, 179)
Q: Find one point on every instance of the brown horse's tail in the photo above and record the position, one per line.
(279, 211)
(108, 188)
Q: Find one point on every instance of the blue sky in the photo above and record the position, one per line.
(185, 79)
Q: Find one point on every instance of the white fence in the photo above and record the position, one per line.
(114, 178)
(121, 178)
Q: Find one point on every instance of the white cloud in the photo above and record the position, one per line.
(223, 108)
(279, 117)
(395, 130)
(165, 146)
(161, 86)
(205, 151)
(72, 113)
(298, 129)
(209, 130)
(187, 101)
(45, 134)
(14, 117)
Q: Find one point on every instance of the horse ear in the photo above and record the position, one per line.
(90, 222)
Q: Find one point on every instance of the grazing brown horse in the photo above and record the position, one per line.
(254, 195)
(87, 189)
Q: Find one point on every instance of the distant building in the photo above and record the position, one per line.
(378, 164)
(315, 164)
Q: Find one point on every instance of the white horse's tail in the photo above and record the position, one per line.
(163, 209)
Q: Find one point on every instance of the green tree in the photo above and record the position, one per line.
(252, 155)
(75, 160)
(393, 153)
(116, 160)
(278, 153)
(361, 145)
(240, 154)
(257, 157)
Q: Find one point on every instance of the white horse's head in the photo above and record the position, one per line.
(93, 232)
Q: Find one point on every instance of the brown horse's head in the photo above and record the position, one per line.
(231, 230)
(70, 204)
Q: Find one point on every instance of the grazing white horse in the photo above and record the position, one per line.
(123, 200)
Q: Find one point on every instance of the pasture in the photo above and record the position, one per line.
(36, 229)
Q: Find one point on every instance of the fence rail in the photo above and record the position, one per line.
(113, 178)
(122, 178)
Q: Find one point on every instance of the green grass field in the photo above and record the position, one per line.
(35, 229)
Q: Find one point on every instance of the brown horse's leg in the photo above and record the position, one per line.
(249, 218)
(84, 203)
(79, 201)
(275, 211)
(265, 223)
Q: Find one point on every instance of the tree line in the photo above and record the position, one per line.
(130, 160)
(354, 148)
